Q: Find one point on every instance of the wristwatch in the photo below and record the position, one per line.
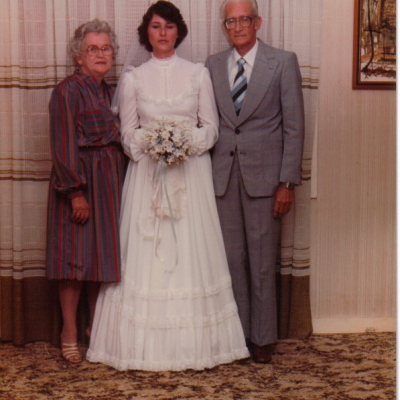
(288, 185)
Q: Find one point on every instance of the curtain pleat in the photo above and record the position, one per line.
(25, 310)
(33, 37)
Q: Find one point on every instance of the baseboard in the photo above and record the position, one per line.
(353, 325)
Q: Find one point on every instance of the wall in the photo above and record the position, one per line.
(353, 218)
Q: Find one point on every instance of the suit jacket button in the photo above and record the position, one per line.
(232, 153)
(237, 131)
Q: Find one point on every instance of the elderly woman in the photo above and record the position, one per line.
(86, 179)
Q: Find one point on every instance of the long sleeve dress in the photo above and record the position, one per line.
(174, 308)
(88, 161)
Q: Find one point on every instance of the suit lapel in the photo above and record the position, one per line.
(263, 71)
(222, 87)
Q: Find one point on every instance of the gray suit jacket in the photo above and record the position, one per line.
(268, 134)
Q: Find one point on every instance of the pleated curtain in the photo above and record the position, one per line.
(33, 59)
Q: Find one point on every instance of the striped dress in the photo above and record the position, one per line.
(87, 160)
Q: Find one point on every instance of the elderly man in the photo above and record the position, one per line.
(256, 163)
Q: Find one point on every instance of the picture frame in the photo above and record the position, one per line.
(374, 45)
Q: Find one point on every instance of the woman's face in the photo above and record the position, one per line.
(162, 36)
(96, 65)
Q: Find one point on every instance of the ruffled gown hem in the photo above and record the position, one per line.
(123, 365)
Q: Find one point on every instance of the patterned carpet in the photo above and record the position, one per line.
(336, 367)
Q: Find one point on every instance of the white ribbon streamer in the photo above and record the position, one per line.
(160, 179)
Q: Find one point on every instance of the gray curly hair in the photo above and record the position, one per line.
(96, 26)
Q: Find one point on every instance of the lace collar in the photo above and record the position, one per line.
(164, 61)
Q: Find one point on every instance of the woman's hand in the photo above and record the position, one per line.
(80, 210)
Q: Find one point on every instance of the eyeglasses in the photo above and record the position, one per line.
(93, 50)
(244, 21)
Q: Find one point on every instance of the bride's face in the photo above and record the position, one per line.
(162, 36)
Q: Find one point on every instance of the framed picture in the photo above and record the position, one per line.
(374, 53)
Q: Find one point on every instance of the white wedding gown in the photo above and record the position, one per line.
(174, 308)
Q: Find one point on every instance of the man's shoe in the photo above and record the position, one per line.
(249, 344)
(261, 354)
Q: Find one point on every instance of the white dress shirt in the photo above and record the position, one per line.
(249, 57)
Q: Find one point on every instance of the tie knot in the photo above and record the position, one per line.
(241, 62)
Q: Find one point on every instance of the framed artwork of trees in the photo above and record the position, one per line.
(374, 54)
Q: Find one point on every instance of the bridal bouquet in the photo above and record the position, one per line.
(168, 141)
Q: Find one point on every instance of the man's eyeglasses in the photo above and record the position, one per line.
(93, 50)
(244, 21)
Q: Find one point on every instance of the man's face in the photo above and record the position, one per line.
(243, 38)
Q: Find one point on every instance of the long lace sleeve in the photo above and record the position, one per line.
(131, 133)
(207, 134)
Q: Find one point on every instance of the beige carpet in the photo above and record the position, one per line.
(321, 367)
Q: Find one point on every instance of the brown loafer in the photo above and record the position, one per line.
(261, 354)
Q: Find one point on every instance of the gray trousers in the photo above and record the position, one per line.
(250, 235)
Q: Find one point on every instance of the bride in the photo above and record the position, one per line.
(174, 308)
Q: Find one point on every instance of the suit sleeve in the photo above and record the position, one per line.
(293, 120)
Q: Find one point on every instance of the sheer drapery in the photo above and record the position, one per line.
(33, 37)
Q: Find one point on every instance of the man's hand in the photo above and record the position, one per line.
(284, 198)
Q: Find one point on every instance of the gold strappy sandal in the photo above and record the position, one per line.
(70, 353)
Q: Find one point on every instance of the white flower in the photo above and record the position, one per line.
(168, 141)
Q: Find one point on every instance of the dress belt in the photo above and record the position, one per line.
(100, 148)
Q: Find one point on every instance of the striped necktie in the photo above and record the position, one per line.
(239, 86)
